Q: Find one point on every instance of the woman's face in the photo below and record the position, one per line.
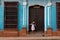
(33, 22)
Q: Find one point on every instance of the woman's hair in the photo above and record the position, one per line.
(33, 22)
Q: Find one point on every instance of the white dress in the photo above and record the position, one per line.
(32, 27)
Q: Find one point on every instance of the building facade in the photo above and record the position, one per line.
(21, 9)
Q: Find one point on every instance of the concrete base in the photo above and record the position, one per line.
(1, 33)
(58, 33)
(10, 33)
(13, 32)
(49, 32)
(23, 32)
(54, 34)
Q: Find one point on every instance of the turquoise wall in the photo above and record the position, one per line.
(53, 18)
(52, 15)
(20, 15)
(52, 12)
(2, 16)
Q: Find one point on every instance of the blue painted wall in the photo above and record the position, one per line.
(2, 16)
(53, 15)
(52, 11)
(53, 18)
(20, 15)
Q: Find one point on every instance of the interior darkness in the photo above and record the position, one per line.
(36, 13)
(10, 14)
(58, 15)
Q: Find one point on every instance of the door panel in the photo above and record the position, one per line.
(11, 14)
(10, 19)
(36, 13)
(58, 15)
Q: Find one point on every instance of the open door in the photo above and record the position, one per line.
(11, 17)
(36, 13)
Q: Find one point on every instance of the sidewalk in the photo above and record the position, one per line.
(29, 38)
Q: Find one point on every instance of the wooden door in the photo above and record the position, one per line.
(10, 15)
(36, 13)
(58, 15)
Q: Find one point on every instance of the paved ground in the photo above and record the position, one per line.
(29, 38)
(35, 34)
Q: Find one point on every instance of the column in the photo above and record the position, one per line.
(24, 15)
(49, 29)
(24, 28)
(45, 20)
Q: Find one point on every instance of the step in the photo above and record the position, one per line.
(10, 33)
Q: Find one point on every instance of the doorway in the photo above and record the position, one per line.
(36, 13)
(58, 15)
(10, 15)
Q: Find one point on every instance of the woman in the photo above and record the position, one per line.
(33, 26)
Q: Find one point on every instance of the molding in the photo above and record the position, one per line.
(45, 20)
(35, 4)
(49, 4)
(57, 0)
(0, 2)
(24, 3)
(11, 0)
(48, 16)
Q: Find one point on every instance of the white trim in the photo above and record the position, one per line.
(11, 0)
(23, 15)
(48, 16)
(24, 3)
(49, 4)
(45, 19)
(35, 4)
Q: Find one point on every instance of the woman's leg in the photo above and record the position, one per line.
(32, 31)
